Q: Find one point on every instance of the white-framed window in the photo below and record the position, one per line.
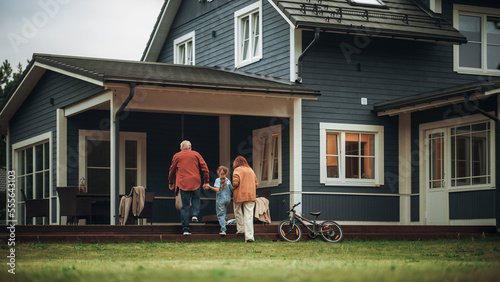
(95, 160)
(33, 167)
(481, 26)
(267, 160)
(351, 154)
(248, 34)
(459, 155)
(184, 49)
(470, 154)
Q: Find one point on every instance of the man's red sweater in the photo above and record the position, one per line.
(185, 170)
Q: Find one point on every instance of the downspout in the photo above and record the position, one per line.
(497, 156)
(117, 147)
(301, 57)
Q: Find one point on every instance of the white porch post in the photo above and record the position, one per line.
(62, 143)
(114, 170)
(296, 154)
(405, 169)
(225, 140)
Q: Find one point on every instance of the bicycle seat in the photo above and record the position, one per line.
(315, 213)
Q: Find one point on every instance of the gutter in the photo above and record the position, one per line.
(497, 154)
(301, 57)
(115, 196)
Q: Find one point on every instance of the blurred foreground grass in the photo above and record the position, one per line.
(436, 260)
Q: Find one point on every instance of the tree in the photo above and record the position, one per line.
(8, 79)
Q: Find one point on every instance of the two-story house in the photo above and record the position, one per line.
(372, 111)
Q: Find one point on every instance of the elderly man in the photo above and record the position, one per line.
(184, 174)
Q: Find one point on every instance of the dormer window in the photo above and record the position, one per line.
(371, 3)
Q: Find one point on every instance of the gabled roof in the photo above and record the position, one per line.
(107, 70)
(441, 97)
(402, 19)
(160, 30)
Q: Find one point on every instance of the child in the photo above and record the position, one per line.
(223, 188)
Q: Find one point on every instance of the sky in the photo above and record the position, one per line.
(113, 29)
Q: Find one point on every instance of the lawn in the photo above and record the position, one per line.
(313, 260)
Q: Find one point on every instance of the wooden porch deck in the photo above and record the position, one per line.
(209, 232)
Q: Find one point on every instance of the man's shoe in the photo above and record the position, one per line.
(249, 241)
(223, 233)
(194, 219)
(186, 233)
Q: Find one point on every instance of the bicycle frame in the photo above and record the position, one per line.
(301, 219)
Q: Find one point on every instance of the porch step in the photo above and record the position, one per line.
(209, 232)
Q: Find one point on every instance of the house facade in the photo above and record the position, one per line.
(374, 112)
(393, 77)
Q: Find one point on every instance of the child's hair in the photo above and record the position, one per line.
(222, 170)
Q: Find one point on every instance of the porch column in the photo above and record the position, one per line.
(113, 189)
(405, 169)
(62, 143)
(296, 155)
(225, 140)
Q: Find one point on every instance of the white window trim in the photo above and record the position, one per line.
(32, 142)
(447, 125)
(257, 155)
(181, 40)
(140, 137)
(257, 6)
(482, 12)
(378, 130)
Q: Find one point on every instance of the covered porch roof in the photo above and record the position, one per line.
(438, 98)
(159, 78)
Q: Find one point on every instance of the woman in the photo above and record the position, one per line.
(245, 185)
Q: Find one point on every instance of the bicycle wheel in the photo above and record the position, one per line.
(289, 231)
(331, 232)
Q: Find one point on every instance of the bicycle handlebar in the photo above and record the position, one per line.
(295, 206)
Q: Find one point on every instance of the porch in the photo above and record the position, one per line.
(125, 131)
(209, 232)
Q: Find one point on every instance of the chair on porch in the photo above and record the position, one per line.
(35, 207)
(147, 211)
(71, 207)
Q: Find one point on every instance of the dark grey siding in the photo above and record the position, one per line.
(472, 205)
(353, 208)
(37, 116)
(219, 50)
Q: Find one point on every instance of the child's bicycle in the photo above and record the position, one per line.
(290, 231)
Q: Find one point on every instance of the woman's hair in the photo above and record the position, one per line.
(222, 170)
(240, 161)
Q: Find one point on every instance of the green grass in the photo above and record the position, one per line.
(313, 260)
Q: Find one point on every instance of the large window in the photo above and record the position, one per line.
(459, 156)
(351, 154)
(95, 160)
(33, 171)
(267, 155)
(481, 54)
(184, 49)
(470, 154)
(248, 35)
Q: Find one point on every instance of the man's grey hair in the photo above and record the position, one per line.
(185, 144)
